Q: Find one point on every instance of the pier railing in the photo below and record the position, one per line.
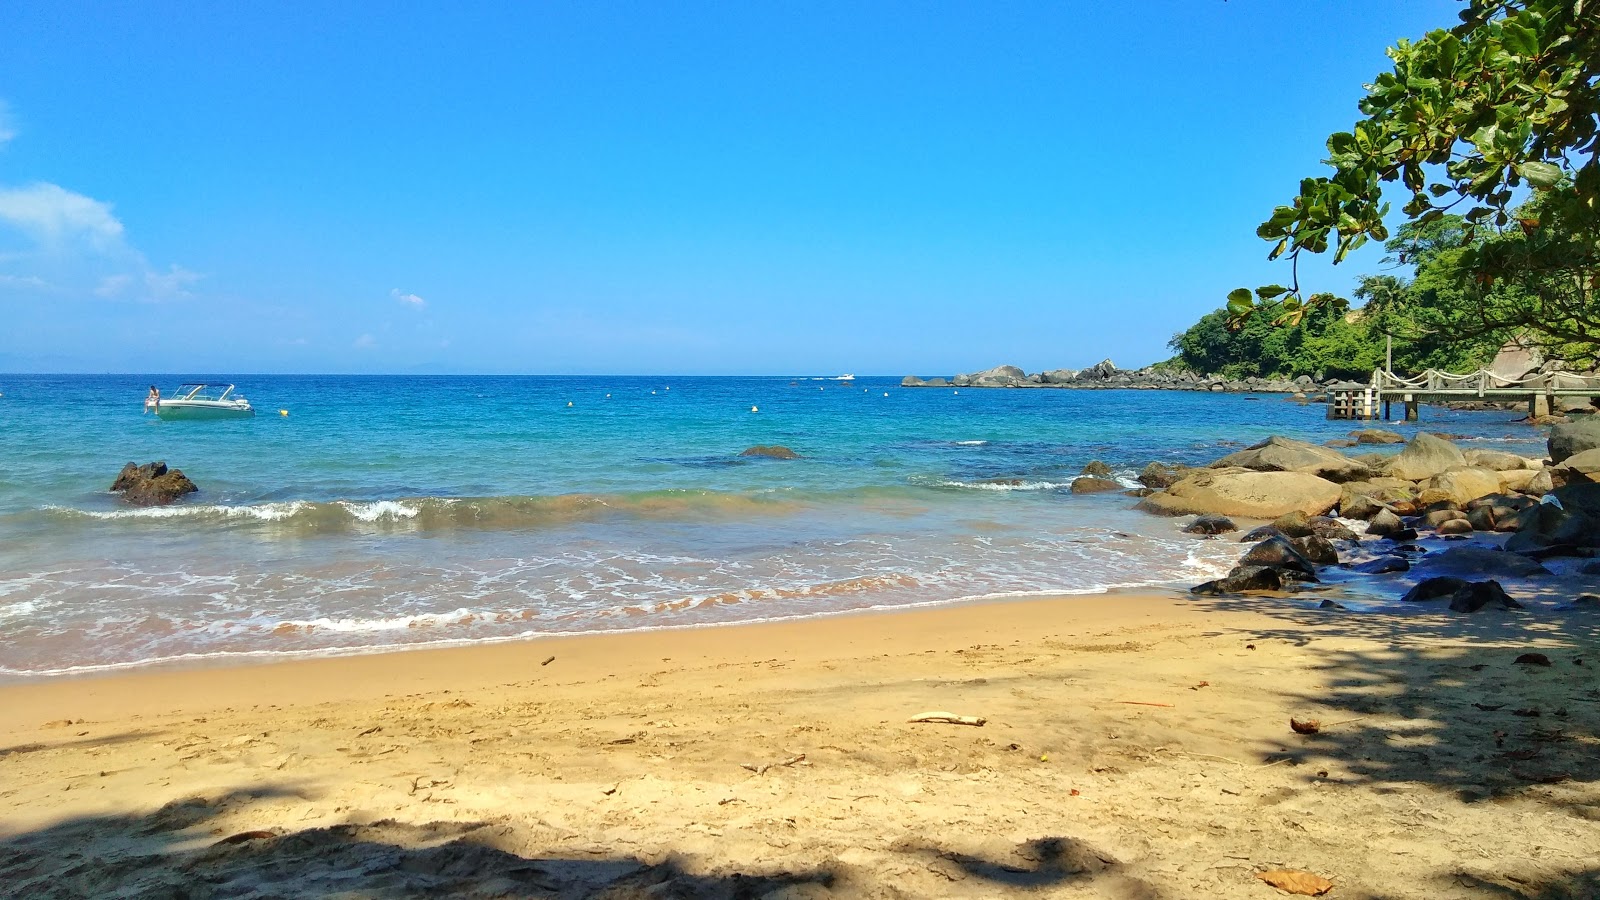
(1538, 389)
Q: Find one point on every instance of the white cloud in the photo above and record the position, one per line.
(366, 342)
(54, 215)
(8, 129)
(172, 283)
(113, 285)
(411, 300)
(30, 282)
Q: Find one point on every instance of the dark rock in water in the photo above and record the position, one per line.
(1384, 523)
(1139, 492)
(1329, 604)
(1247, 578)
(1406, 534)
(1588, 602)
(1278, 553)
(1479, 594)
(1455, 527)
(1434, 588)
(1261, 533)
(1096, 468)
(771, 452)
(1088, 484)
(1294, 524)
(1161, 475)
(1483, 561)
(152, 484)
(1573, 438)
(1481, 518)
(1383, 565)
(1590, 569)
(1377, 436)
(1440, 516)
(1317, 549)
(1211, 523)
(1331, 529)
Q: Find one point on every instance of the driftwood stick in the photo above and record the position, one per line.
(797, 759)
(947, 718)
(1144, 703)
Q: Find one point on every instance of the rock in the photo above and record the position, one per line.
(1255, 495)
(1338, 443)
(1293, 524)
(1331, 529)
(1261, 533)
(1482, 561)
(1354, 505)
(1582, 466)
(1279, 553)
(1433, 589)
(1246, 578)
(999, 376)
(1540, 484)
(1406, 534)
(1096, 468)
(1383, 565)
(771, 452)
(1211, 524)
(1521, 480)
(1162, 475)
(152, 484)
(1059, 376)
(1281, 454)
(1481, 518)
(1384, 523)
(1329, 604)
(1317, 549)
(1572, 522)
(1455, 526)
(1377, 436)
(1088, 484)
(1473, 597)
(1102, 370)
(1426, 456)
(912, 381)
(1495, 460)
(1465, 484)
(1438, 517)
(1572, 438)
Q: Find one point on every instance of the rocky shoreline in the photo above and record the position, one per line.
(1329, 512)
(1105, 375)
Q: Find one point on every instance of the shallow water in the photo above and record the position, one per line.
(410, 510)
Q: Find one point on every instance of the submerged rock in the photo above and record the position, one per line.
(1433, 589)
(771, 452)
(1211, 524)
(1477, 595)
(1383, 565)
(152, 484)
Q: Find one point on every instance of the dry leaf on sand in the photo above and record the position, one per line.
(1305, 726)
(1297, 882)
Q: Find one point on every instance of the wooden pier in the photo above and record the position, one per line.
(1539, 390)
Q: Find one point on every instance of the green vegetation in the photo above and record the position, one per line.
(1469, 118)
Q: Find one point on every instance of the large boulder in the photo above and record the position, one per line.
(1058, 376)
(999, 376)
(1279, 553)
(1582, 466)
(1464, 485)
(1426, 456)
(1462, 561)
(1089, 484)
(1497, 460)
(152, 484)
(1570, 524)
(1377, 436)
(1101, 370)
(1281, 454)
(1573, 437)
(1244, 493)
(1160, 475)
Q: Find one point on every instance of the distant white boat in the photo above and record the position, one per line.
(845, 378)
(200, 401)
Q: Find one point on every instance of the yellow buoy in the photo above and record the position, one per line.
(283, 412)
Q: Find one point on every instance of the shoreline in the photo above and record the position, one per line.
(1134, 745)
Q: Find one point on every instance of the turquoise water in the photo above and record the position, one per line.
(384, 511)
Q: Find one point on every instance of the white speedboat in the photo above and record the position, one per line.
(201, 401)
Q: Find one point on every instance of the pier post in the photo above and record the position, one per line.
(1539, 406)
(1413, 413)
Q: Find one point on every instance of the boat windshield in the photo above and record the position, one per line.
(203, 392)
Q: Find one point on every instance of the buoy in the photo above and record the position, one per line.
(569, 402)
(886, 393)
(608, 396)
(652, 393)
(667, 388)
(283, 412)
(754, 409)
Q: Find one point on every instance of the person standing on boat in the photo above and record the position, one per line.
(152, 400)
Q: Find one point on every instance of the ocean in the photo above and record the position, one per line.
(393, 511)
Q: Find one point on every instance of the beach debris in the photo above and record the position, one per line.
(946, 718)
(1489, 707)
(798, 759)
(373, 730)
(1305, 726)
(244, 837)
(548, 660)
(1294, 881)
(1200, 685)
(1145, 703)
(1533, 659)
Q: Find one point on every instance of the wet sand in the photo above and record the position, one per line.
(1134, 746)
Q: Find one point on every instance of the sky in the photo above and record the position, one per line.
(639, 188)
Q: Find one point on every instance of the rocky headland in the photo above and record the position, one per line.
(1366, 513)
(1105, 375)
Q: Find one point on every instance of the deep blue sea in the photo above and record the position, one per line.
(385, 511)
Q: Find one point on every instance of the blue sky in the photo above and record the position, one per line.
(688, 188)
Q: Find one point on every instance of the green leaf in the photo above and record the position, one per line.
(1240, 300)
(1540, 174)
(1519, 39)
(1270, 291)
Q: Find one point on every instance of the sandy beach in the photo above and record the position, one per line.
(1134, 746)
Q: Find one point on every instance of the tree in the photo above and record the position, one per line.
(1506, 99)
